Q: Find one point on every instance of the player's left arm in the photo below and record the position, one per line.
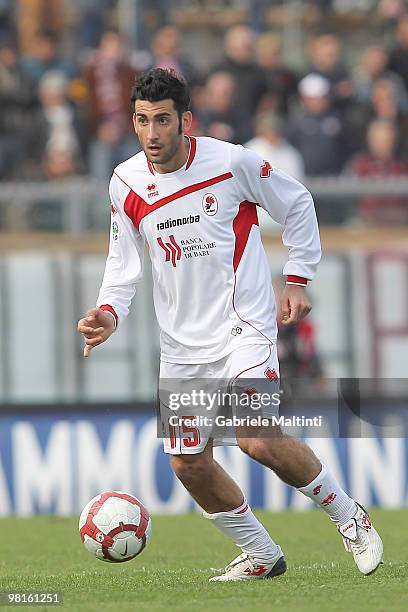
(291, 205)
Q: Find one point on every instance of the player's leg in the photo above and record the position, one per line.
(280, 454)
(191, 450)
(296, 464)
(206, 481)
(224, 504)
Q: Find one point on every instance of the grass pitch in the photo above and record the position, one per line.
(45, 554)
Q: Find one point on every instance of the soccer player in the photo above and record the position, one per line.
(194, 201)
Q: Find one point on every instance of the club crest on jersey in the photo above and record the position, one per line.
(152, 190)
(210, 204)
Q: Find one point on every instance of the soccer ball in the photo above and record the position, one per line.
(114, 526)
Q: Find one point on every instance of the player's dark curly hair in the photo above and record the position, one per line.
(159, 84)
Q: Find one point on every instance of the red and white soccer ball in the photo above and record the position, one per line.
(115, 526)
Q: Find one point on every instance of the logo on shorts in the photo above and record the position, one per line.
(210, 204)
(271, 374)
(115, 230)
(235, 331)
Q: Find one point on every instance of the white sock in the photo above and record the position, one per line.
(326, 492)
(242, 526)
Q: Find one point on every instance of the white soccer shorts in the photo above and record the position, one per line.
(257, 363)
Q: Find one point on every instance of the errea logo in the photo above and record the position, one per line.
(152, 190)
(210, 204)
(266, 169)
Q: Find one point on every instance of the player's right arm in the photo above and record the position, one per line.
(123, 269)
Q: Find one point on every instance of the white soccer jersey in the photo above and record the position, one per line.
(212, 282)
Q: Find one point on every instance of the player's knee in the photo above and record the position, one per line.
(253, 447)
(191, 469)
(262, 450)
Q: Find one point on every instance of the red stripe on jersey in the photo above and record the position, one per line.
(192, 152)
(150, 166)
(242, 224)
(137, 208)
(296, 279)
(108, 308)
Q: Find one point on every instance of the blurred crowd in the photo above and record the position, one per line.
(67, 112)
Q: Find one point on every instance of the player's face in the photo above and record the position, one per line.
(158, 128)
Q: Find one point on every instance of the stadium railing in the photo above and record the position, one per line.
(80, 205)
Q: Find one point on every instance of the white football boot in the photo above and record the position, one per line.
(245, 567)
(361, 539)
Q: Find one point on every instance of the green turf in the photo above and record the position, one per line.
(46, 554)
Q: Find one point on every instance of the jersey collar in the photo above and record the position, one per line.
(191, 155)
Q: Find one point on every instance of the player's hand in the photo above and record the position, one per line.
(295, 304)
(96, 327)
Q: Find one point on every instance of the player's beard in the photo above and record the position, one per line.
(168, 152)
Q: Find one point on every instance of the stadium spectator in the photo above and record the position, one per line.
(281, 82)
(384, 104)
(7, 26)
(16, 100)
(219, 116)
(372, 67)
(61, 161)
(399, 54)
(91, 21)
(264, 83)
(45, 56)
(270, 144)
(53, 127)
(316, 130)
(325, 56)
(239, 61)
(166, 53)
(109, 78)
(390, 12)
(380, 160)
(33, 16)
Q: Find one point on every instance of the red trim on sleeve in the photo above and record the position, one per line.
(108, 308)
(296, 279)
